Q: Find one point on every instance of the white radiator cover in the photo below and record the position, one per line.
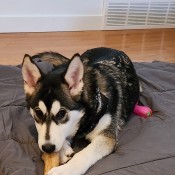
(138, 14)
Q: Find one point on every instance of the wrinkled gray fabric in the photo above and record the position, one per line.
(146, 146)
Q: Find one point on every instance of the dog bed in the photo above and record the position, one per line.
(146, 146)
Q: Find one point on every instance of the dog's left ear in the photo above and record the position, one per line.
(74, 75)
(31, 74)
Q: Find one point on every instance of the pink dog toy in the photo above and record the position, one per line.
(142, 111)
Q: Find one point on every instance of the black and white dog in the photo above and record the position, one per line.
(90, 96)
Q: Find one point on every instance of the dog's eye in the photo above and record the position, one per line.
(39, 113)
(61, 114)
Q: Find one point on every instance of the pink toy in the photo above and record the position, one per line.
(142, 111)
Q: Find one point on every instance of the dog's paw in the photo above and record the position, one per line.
(61, 170)
(67, 169)
(66, 153)
(56, 171)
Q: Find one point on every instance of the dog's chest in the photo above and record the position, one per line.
(89, 122)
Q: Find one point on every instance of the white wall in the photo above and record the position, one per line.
(63, 15)
(50, 15)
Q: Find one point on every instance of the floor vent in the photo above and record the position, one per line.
(139, 14)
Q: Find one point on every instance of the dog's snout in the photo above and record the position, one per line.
(48, 148)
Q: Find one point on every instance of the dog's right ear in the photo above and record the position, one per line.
(31, 74)
(74, 75)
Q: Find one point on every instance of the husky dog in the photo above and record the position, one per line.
(89, 96)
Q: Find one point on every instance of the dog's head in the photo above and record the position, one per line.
(52, 99)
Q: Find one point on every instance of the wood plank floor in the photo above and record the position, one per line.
(139, 45)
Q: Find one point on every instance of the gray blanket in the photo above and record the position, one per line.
(146, 146)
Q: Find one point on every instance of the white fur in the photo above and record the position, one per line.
(42, 107)
(66, 152)
(84, 159)
(31, 112)
(41, 129)
(55, 107)
(97, 149)
(59, 133)
(103, 123)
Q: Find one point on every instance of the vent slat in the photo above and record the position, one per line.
(114, 19)
(136, 17)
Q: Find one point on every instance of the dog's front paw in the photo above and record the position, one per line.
(62, 170)
(66, 153)
(56, 171)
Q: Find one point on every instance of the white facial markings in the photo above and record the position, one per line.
(59, 133)
(42, 107)
(31, 112)
(41, 129)
(55, 107)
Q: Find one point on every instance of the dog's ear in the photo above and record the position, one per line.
(31, 74)
(74, 75)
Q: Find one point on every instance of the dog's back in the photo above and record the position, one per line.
(115, 76)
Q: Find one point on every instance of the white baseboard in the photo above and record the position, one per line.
(50, 23)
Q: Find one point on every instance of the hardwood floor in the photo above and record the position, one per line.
(139, 45)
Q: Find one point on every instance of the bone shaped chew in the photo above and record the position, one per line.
(50, 161)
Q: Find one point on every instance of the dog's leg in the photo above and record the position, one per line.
(66, 152)
(99, 147)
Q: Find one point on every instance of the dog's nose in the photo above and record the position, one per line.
(48, 148)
